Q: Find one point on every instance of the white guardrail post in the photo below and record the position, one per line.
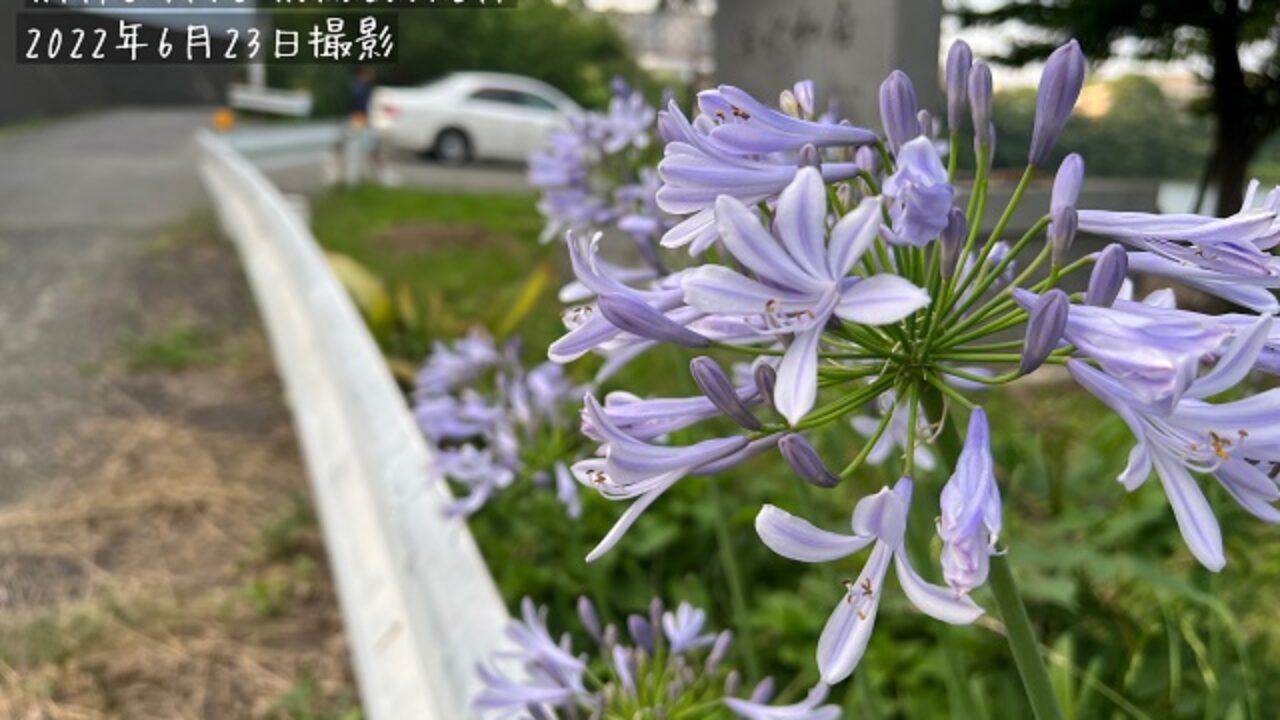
(419, 605)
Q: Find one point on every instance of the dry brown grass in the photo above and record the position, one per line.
(170, 568)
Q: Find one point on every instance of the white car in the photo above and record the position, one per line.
(470, 115)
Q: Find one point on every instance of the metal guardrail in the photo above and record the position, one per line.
(419, 605)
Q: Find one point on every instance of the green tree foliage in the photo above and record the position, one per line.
(1245, 103)
(570, 49)
(1173, 143)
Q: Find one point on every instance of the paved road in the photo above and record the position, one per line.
(80, 200)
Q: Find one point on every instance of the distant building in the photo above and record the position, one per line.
(676, 42)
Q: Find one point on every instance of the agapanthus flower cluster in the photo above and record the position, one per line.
(490, 420)
(594, 174)
(844, 267)
(666, 665)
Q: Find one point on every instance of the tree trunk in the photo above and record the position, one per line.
(1232, 149)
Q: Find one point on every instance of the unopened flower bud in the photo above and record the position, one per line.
(719, 651)
(925, 120)
(803, 92)
(980, 102)
(620, 86)
(809, 157)
(898, 109)
(763, 691)
(805, 462)
(1046, 321)
(1060, 85)
(1062, 231)
(590, 620)
(638, 318)
(610, 637)
(951, 240)
(718, 388)
(641, 632)
(655, 617)
(765, 378)
(787, 103)
(1107, 277)
(959, 60)
(844, 193)
(732, 682)
(1067, 182)
(867, 159)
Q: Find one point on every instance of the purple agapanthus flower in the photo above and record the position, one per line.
(634, 469)
(748, 126)
(969, 524)
(696, 170)
(1155, 352)
(920, 194)
(878, 520)
(683, 628)
(811, 708)
(801, 279)
(1233, 441)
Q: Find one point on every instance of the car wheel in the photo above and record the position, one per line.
(453, 147)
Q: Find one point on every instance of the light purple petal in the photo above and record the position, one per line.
(797, 539)
(880, 300)
(935, 601)
(1236, 362)
(852, 235)
(801, 221)
(1195, 518)
(848, 630)
(797, 386)
(755, 248)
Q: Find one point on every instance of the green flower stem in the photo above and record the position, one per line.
(733, 577)
(998, 232)
(1022, 641)
(1018, 631)
(861, 457)
(984, 282)
(953, 157)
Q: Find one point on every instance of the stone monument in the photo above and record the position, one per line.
(846, 47)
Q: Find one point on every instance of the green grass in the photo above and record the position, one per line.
(175, 348)
(462, 259)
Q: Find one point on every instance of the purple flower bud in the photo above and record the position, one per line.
(980, 102)
(1066, 184)
(765, 378)
(898, 109)
(638, 318)
(804, 460)
(1046, 322)
(718, 388)
(925, 120)
(1107, 276)
(804, 95)
(590, 620)
(809, 157)
(1060, 85)
(959, 60)
(951, 240)
(763, 691)
(610, 637)
(732, 681)
(641, 632)
(620, 86)
(719, 651)
(655, 617)
(1062, 231)
(866, 158)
